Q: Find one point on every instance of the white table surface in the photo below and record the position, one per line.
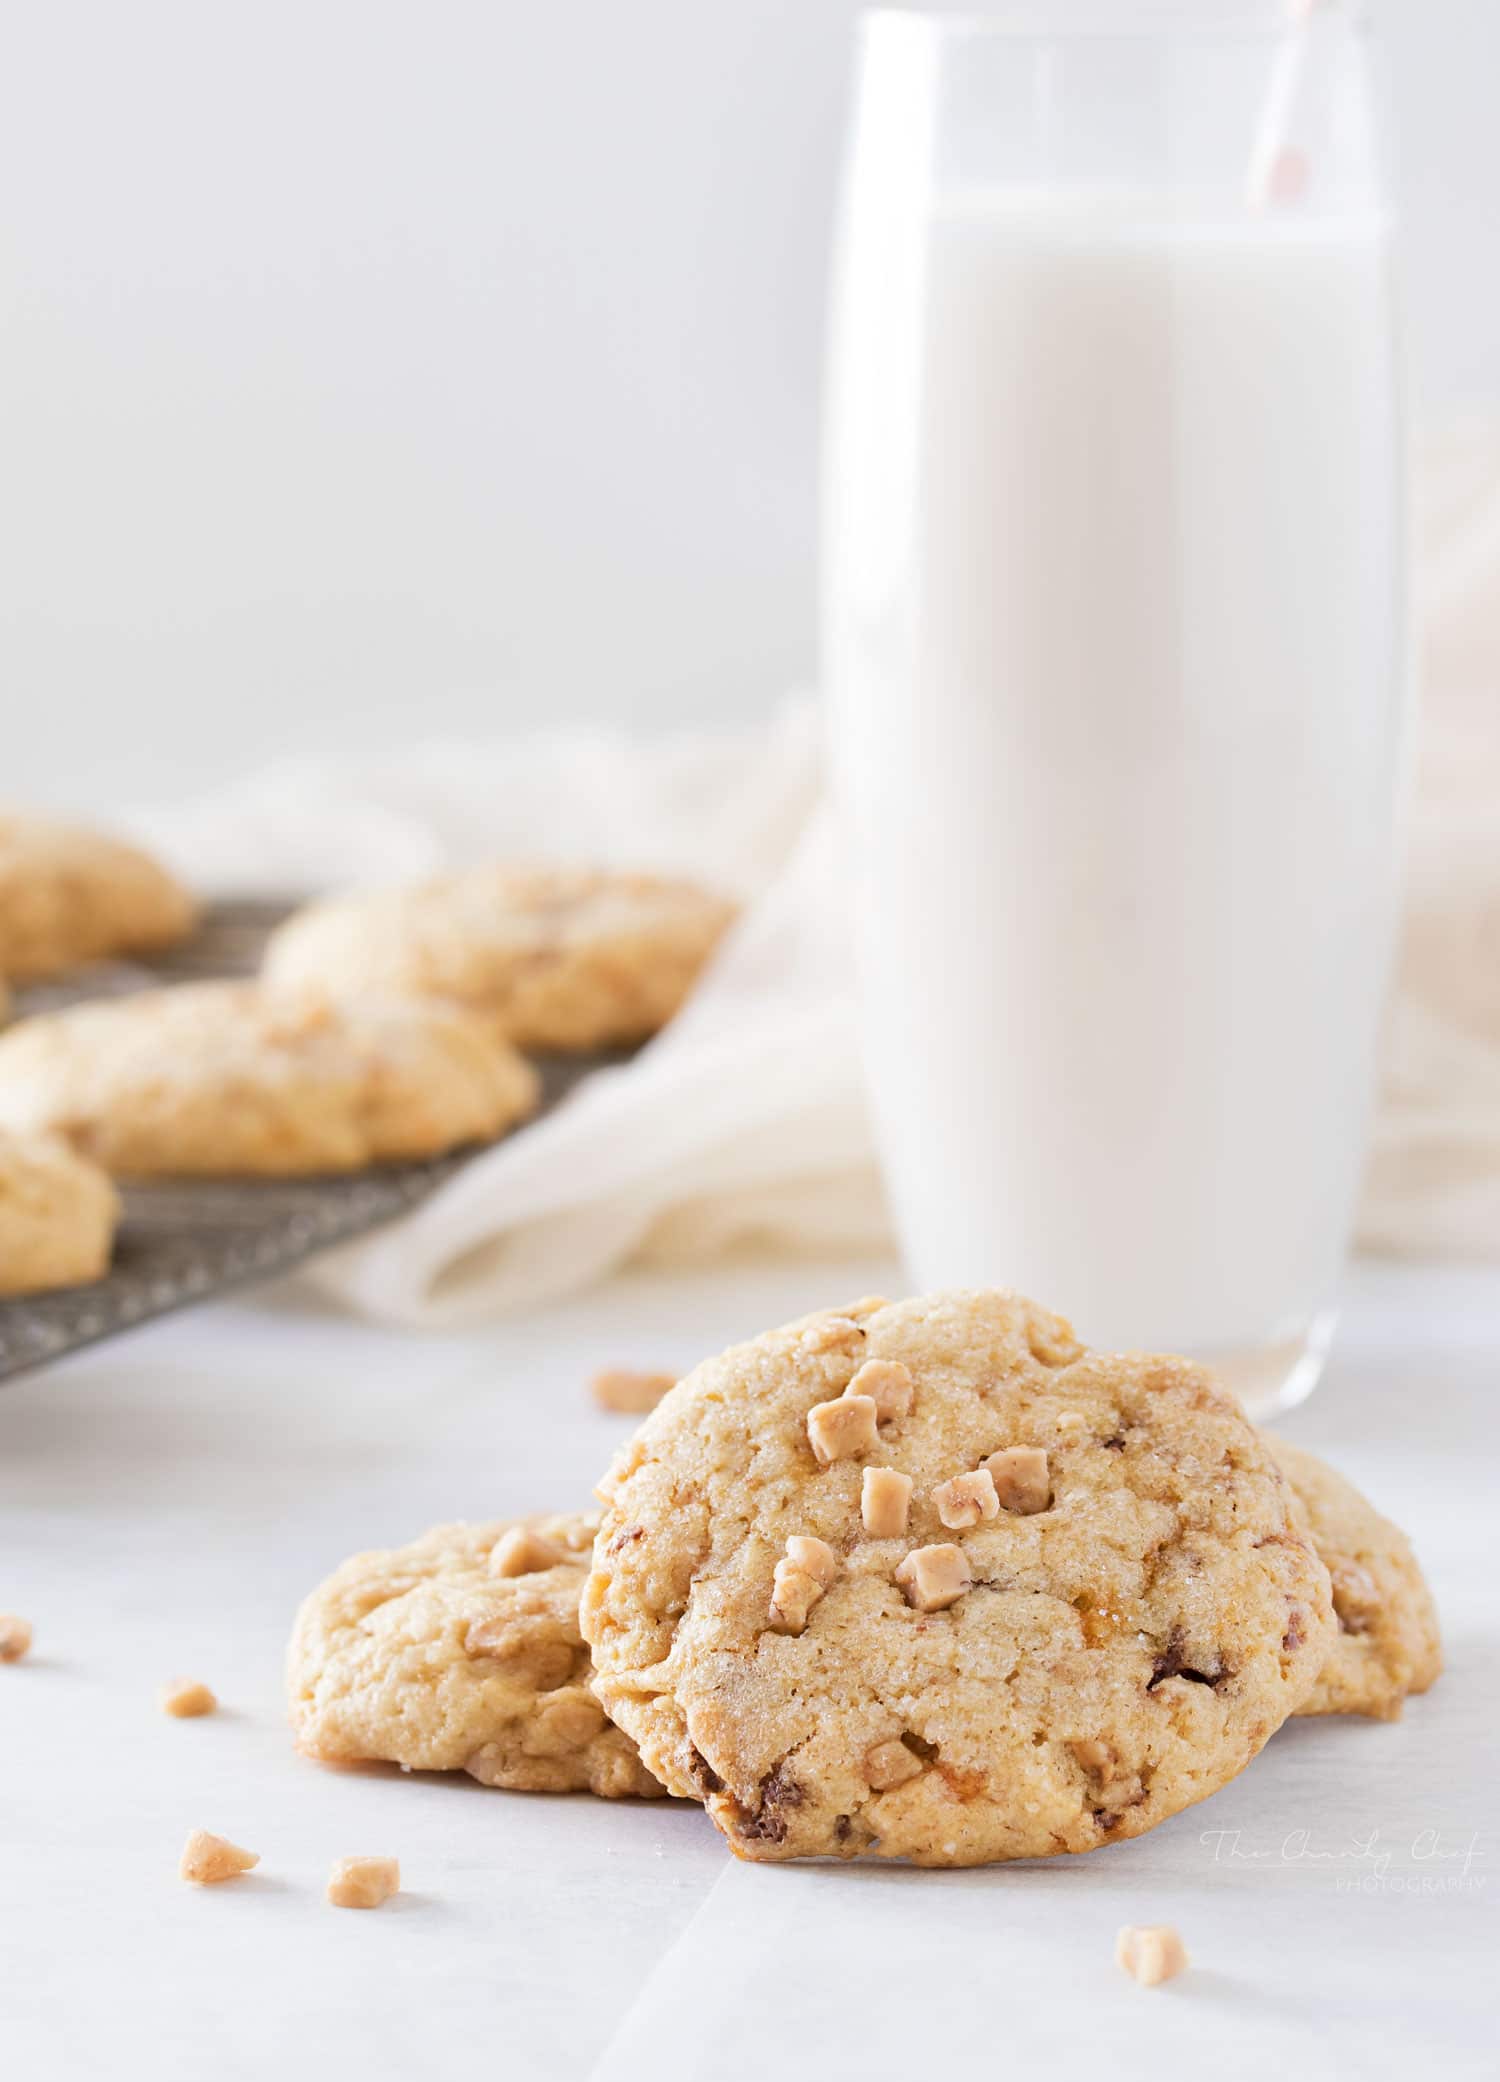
(164, 1503)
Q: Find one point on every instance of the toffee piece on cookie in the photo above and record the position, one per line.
(1038, 1639)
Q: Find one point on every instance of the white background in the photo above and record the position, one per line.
(371, 368)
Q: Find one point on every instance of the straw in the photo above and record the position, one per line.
(1278, 172)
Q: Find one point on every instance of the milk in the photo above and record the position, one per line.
(1114, 572)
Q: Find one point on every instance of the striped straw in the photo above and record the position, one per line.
(1278, 171)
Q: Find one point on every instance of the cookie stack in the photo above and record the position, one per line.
(383, 1028)
(927, 1581)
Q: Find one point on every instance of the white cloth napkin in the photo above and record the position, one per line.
(745, 1122)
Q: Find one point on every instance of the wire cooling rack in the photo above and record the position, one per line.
(188, 1241)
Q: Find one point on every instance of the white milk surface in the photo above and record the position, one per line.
(1115, 575)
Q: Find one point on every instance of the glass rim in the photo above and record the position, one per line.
(1031, 21)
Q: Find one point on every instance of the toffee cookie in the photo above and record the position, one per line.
(462, 1652)
(550, 958)
(1091, 1607)
(1388, 1644)
(225, 1079)
(58, 1214)
(69, 896)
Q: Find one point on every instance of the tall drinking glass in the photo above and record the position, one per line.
(1115, 635)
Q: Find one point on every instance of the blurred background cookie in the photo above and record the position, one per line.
(57, 1215)
(550, 957)
(70, 895)
(227, 1079)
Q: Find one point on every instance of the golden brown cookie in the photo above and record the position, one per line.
(1090, 1608)
(430, 1657)
(551, 958)
(69, 895)
(223, 1078)
(57, 1216)
(1388, 1644)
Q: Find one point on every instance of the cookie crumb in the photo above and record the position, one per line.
(965, 1499)
(15, 1637)
(934, 1578)
(207, 1859)
(1150, 1953)
(185, 1698)
(631, 1393)
(890, 1764)
(363, 1883)
(1023, 1482)
(793, 1595)
(889, 1383)
(839, 1430)
(522, 1553)
(814, 1558)
(885, 1503)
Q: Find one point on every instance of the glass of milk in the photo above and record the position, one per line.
(1115, 632)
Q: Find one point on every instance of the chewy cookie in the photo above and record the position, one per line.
(462, 1652)
(223, 1078)
(1388, 1644)
(551, 958)
(932, 1581)
(69, 896)
(57, 1216)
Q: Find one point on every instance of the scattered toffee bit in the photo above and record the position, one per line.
(186, 1699)
(363, 1883)
(207, 1859)
(630, 1393)
(1151, 1953)
(15, 1637)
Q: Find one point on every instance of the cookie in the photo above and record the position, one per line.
(932, 1581)
(58, 1215)
(426, 1656)
(68, 895)
(551, 958)
(1388, 1643)
(223, 1078)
